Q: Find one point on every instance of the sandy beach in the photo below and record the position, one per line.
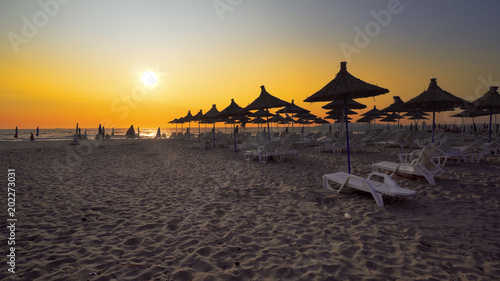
(155, 210)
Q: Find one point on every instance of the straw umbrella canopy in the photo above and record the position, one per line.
(470, 113)
(288, 118)
(341, 112)
(365, 119)
(415, 112)
(374, 113)
(233, 110)
(339, 104)
(198, 118)
(211, 117)
(175, 121)
(277, 118)
(292, 109)
(490, 101)
(305, 115)
(388, 119)
(258, 120)
(262, 113)
(266, 101)
(416, 118)
(343, 87)
(396, 107)
(435, 99)
(188, 118)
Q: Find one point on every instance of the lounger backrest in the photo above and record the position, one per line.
(341, 141)
(447, 144)
(425, 158)
(356, 139)
(271, 146)
(286, 145)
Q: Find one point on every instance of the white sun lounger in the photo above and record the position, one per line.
(422, 166)
(376, 188)
(264, 152)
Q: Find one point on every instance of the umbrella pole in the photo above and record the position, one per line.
(234, 136)
(199, 133)
(268, 131)
(433, 121)
(347, 135)
(491, 116)
(214, 134)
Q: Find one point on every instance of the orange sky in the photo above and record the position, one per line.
(85, 64)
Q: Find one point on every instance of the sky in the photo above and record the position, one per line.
(69, 61)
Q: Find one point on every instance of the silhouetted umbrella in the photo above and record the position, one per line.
(470, 113)
(233, 110)
(175, 121)
(365, 119)
(416, 118)
(341, 112)
(158, 133)
(188, 118)
(76, 132)
(198, 118)
(266, 101)
(343, 87)
(415, 112)
(262, 113)
(305, 115)
(211, 117)
(490, 101)
(396, 107)
(374, 113)
(339, 104)
(388, 119)
(435, 99)
(258, 120)
(292, 109)
(15, 135)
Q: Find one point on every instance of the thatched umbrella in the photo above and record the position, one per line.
(198, 118)
(292, 109)
(470, 113)
(343, 87)
(233, 110)
(396, 107)
(339, 104)
(388, 119)
(435, 99)
(211, 117)
(365, 119)
(490, 101)
(266, 101)
(258, 120)
(416, 118)
(188, 118)
(175, 121)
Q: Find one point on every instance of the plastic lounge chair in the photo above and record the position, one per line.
(376, 188)
(285, 149)
(264, 152)
(422, 166)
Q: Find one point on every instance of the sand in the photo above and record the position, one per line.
(154, 210)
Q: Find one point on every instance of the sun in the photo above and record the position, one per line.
(149, 79)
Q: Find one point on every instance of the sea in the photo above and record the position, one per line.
(57, 134)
